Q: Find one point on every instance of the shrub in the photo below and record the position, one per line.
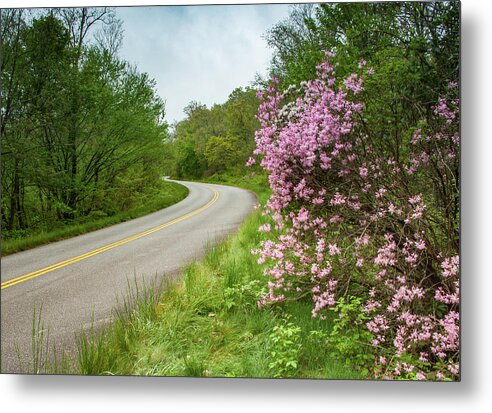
(285, 341)
(350, 337)
(366, 215)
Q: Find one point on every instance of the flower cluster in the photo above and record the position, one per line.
(348, 216)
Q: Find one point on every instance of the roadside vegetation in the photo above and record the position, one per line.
(359, 137)
(165, 194)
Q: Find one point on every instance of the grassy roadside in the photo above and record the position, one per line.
(169, 194)
(208, 323)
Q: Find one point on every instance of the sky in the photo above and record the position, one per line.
(198, 53)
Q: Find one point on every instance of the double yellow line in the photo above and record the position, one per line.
(108, 247)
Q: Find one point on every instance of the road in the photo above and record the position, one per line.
(83, 278)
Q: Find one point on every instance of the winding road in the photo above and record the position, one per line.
(84, 278)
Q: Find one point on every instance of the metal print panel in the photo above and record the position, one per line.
(259, 191)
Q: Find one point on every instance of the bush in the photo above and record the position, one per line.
(365, 215)
(349, 337)
(285, 342)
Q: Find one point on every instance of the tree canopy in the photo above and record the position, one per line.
(76, 120)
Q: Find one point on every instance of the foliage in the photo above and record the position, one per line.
(242, 296)
(350, 217)
(82, 131)
(349, 339)
(286, 346)
(422, 36)
(222, 152)
(215, 140)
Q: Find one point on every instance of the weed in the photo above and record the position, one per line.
(286, 345)
(349, 338)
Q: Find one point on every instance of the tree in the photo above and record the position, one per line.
(413, 48)
(222, 152)
(76, 120)
(214, 140)
(12, 24)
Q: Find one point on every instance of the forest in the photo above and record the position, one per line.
(82, 131)
(214, 140)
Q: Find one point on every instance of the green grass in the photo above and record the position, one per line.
(169, 194)
(256, 182)
(208, 323)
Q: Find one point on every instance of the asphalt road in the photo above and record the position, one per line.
(83, 278)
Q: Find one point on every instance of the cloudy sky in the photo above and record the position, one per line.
(198, 52)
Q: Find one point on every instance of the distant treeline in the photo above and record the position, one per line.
(82, 131)
(214, 140)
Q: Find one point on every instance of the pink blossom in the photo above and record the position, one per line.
(443, 110)
(333, 249)
(251, 161)
(450, 266)
(334, 189)
(354, 83)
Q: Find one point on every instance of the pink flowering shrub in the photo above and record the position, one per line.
(356, 215)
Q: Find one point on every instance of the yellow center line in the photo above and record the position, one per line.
(105, 248)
